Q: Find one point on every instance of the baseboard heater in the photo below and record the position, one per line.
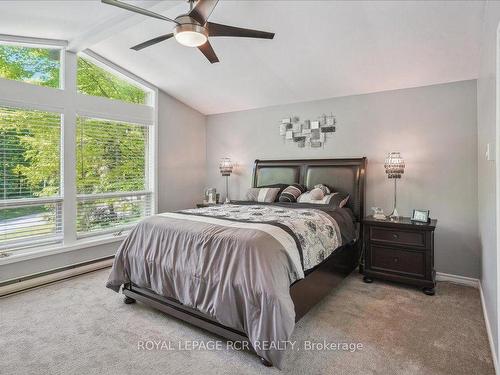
(39, 279)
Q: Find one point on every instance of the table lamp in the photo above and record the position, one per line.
(394, 167)
(226, 168)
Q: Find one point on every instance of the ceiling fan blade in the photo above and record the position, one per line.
(150, 42)
(209, 52)
(216, 29)
(135, 9)
(202, 10)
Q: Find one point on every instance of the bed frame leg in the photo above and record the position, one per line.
(265, 362)
(127, 300)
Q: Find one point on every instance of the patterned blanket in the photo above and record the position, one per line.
(315, 232)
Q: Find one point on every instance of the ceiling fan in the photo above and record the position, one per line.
(193, 29)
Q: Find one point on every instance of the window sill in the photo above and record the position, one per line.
(59, 249)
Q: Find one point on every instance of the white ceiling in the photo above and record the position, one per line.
(322, 49)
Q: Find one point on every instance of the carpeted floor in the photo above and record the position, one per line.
(79, 327)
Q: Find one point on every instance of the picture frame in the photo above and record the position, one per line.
(420, 216)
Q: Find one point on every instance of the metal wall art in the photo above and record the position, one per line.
(312, 133)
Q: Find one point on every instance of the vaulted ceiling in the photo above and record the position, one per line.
(322, 49)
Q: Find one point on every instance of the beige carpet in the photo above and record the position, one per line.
(80, 327)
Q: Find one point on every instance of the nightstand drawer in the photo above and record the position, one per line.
(396, 260)
(397, 236)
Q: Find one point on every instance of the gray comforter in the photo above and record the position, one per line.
(234, 263)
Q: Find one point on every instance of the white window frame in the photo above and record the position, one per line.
(68, 101)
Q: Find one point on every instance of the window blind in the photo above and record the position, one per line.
(30, 224)
(111, 213)
(30, 202)
(112, 175)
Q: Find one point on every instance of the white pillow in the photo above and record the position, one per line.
(307, 198)
(324, 188)
(316, 194)
(335, 199)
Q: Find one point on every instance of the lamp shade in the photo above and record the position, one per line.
(226, 166)
(394, 165)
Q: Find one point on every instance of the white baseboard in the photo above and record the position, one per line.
(53, 277)
(469, 281)
(488, 330)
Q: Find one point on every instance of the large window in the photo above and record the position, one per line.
(38, 66)
(112, 174)
(30, 145)
(72, 166)
(96, 81)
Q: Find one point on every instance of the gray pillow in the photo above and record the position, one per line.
(263, 195)
(338, 200)
(291, 193)
(280, 186)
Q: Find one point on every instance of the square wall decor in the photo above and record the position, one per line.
(312, 133)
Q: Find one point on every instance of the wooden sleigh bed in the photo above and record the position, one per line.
(348, 176)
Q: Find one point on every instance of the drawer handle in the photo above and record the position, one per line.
(396, 259)
(395, 236)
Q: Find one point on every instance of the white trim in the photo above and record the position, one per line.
(38, 252)
(50, 278)
(462, 280)
(118, 194)
(497, 181)
(112, 109)
(153, 138)
(488, 329)
(33, 42)
(115, 231)
(28, 96)
(29, 201)
(68, 151)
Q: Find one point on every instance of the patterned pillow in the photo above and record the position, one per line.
(326, 189)
(266, 195)
(291, 193)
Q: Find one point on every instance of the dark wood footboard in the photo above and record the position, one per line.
(305, 293)
(178, 310)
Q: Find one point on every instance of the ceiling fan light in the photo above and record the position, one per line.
(191, 38)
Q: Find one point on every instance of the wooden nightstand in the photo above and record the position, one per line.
(401, 251)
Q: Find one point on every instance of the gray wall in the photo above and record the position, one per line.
(181, 155)
(434, 127)
(181, 178)
(486, 108)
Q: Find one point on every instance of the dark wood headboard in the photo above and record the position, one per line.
(344, 175)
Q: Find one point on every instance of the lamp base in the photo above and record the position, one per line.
(394, 216)
(227, 201)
